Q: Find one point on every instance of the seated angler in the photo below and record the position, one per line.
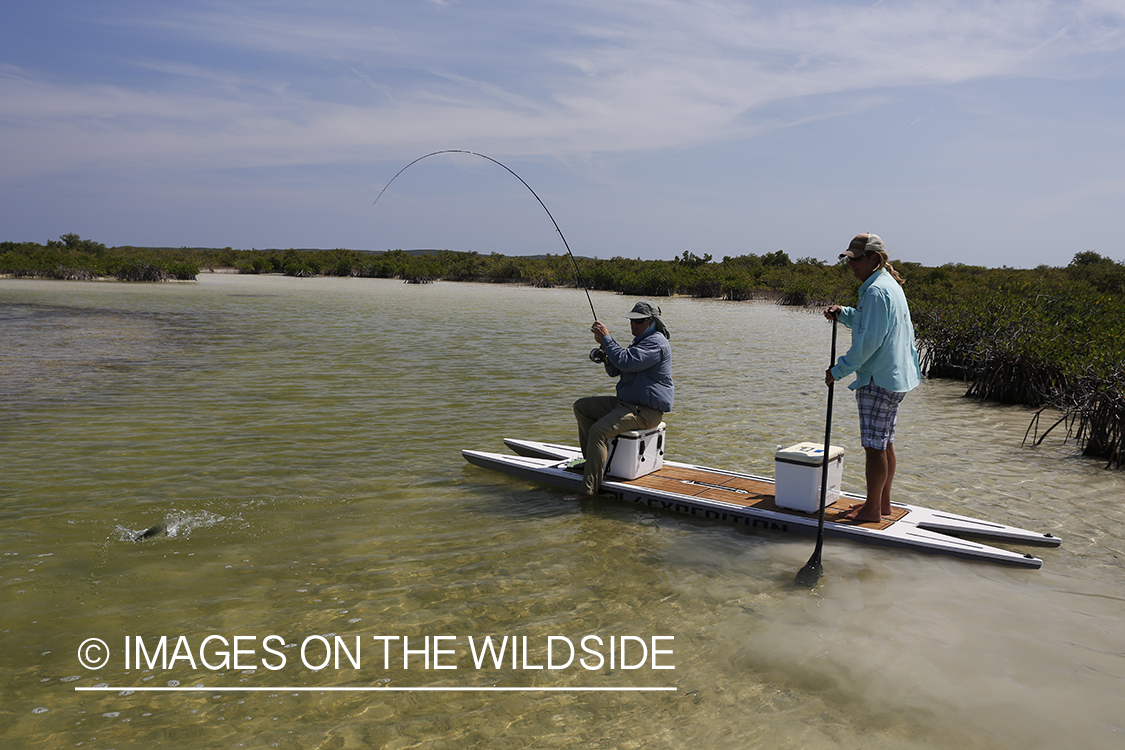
(644, 390)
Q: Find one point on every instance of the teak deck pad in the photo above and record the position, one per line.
(749, 493)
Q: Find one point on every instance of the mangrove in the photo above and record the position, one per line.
(1050, 337)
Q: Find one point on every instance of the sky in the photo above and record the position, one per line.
(985, 132)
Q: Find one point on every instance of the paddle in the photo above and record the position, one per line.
(810, 574)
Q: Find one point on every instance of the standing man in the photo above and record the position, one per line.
(644, 391)
(883, 357)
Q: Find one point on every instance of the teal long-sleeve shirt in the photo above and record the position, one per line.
(883, 349)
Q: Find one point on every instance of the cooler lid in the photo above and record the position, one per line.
(808, 453)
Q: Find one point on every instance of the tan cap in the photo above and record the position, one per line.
(863, 244)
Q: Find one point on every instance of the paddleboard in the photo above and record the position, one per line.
(748, 500)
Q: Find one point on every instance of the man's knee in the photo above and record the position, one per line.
(604, 430)
(876, 457)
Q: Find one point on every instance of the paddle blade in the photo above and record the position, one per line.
(809, 575)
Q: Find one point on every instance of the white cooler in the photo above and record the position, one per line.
(636, 453)
(798, 470)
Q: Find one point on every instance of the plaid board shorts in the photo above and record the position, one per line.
(878, 413)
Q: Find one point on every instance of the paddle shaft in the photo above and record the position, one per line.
(813, 569)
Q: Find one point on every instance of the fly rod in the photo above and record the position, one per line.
(573, 263)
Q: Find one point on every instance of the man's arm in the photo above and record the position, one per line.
(639, 356)
(866, 340)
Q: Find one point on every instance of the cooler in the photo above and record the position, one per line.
(636, 453)
(798, 471)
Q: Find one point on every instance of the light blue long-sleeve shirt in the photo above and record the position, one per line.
(883, 349)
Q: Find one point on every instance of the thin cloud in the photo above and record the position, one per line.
(628, 76)
(219, 94)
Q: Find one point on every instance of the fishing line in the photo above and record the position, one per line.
(573, 263)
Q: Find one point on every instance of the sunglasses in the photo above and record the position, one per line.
(859, 258)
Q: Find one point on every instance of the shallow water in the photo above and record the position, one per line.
(301, 438)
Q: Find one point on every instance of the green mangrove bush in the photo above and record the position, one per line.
(1051, 338)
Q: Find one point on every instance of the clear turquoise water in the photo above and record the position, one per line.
(302, 438)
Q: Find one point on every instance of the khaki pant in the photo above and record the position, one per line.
(600, 420)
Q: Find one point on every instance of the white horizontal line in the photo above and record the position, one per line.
(202, 689)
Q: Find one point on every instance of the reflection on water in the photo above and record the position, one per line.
(301, 439)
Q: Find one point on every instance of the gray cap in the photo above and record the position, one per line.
(643, 310)
(863, 244)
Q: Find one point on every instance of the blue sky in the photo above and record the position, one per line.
(964, 131)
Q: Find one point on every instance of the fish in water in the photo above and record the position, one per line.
(164, 528)
(173, 525)
(159, 529)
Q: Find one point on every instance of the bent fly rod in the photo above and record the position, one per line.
(573, 263)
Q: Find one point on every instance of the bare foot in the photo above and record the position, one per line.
(857, 506)
(857, 514)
